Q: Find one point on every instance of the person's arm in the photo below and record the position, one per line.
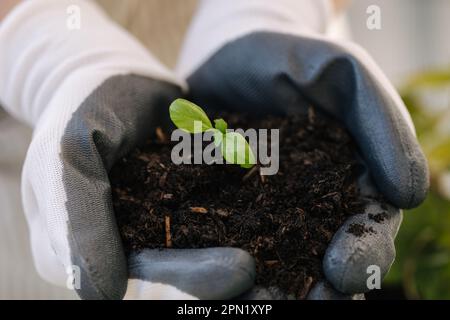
(92, 94)
(6, 6)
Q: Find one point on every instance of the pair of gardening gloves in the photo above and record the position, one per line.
(93, 94)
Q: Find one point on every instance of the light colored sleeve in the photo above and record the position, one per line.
(218, 22)
(46, 44)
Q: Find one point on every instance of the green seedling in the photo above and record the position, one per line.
(191, 118)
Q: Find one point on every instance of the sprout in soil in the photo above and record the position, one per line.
(191, 118)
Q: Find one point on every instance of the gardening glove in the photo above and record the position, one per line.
(92, 93)
(263, 56)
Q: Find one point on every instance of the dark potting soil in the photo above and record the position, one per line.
(284, 221)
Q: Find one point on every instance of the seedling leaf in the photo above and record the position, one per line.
(233, 146)
(185, 114)
(221, 125)
(236, 150)
(218, 137)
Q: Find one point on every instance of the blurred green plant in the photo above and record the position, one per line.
(422, 266)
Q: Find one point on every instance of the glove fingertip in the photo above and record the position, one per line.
(363, 247)
(211, 273)
(110, 283)
(406, 186)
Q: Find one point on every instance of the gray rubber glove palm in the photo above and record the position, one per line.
(266, 72)
(116, 117)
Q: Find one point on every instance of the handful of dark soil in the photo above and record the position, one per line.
(284, 221)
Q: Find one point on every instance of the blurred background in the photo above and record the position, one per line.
(413, 49)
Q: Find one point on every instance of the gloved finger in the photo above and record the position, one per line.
(362, 250)
(110, 122)
(66, 190)
(266, 72)
(212, 273)
(324, 291)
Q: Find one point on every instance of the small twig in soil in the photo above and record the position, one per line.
(259, 198)
(250, 174)
(166, 196)
(168, 234)
(270, 263)
(144, 157)
(304, 292)
(161, 165)
(160, 135)
(331, 194)
(311, 115)
(199, 210)
(262, 177)
(223, 213)
(162, 180)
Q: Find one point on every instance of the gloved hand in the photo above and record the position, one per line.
(266, 56)
(92, 94)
